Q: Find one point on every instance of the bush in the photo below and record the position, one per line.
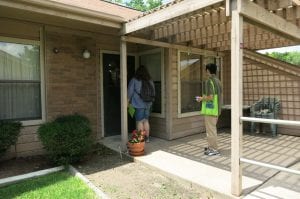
(9, 132)
(66, 139)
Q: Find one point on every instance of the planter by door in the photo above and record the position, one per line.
(136, 149)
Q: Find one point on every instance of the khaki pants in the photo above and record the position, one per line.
(211, 131)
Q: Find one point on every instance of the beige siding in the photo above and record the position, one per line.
(158, 125)
(186, 125)
(226, 79)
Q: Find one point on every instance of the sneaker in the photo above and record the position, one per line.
(211, 152)
(206, 150)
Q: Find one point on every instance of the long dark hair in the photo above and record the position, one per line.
(142, 73)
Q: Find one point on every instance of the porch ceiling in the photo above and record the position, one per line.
(209, 27)
(42, 18)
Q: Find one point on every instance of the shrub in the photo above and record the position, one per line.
(9, 132)
(66, 139)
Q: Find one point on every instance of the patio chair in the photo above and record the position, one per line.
(266, 107)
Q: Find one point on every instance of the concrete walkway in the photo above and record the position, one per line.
(184, 158)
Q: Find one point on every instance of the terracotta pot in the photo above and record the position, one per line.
(136, 149)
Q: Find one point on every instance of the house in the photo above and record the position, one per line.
(43, 72)
(71, 56)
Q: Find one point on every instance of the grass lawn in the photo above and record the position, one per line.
(56, 185)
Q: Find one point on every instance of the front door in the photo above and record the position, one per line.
(112, 92)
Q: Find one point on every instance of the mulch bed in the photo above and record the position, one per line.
(19, 166)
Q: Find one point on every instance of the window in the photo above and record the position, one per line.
(190, 81)
(20, 81)
(192, 74)
(153, 60)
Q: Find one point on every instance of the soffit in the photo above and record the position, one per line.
(95, 12)
(44, 19)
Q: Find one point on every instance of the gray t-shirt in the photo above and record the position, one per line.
(208, 90)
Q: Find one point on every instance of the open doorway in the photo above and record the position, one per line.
(112, 94)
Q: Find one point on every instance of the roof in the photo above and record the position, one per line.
(103, 7)
(278, 5)
(204, 24)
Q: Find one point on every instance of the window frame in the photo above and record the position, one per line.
(42, 76)
(162, 72)
(193, 113)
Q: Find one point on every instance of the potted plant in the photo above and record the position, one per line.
(136, 144)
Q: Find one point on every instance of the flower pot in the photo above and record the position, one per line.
(136, 149)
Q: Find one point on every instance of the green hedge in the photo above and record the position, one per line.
(9, 132)
(67, 139)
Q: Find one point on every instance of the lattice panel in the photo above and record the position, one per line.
(259, 82)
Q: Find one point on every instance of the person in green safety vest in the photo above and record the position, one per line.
(211, 108)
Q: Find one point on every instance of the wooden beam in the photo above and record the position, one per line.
(123, 86)
(176, 10)
(167, 45)
(260, 16)
(169, 93)
(285, 3)
(236, 101)
(227, 8)
(297, 2)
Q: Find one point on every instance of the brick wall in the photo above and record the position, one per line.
(71, 81)
(71, 87)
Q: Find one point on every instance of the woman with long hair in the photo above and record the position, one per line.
(142, 107)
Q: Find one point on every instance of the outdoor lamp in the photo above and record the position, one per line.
(86, 54)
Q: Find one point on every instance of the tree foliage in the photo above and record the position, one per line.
(289, 57)
(153, 4)
(116, 1)
(137, 4)
(141, 5)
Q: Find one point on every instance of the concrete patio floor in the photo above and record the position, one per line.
(184, 158)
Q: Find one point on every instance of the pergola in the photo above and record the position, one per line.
(212, 27)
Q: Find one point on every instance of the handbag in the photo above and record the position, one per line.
(211, 107)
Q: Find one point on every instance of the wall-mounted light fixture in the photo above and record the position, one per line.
(86, 54)
(55, 50)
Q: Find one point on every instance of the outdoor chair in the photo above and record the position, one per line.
(266, 107)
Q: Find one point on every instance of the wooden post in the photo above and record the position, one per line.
(123, 86)
(236, 101)
(169, 94)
